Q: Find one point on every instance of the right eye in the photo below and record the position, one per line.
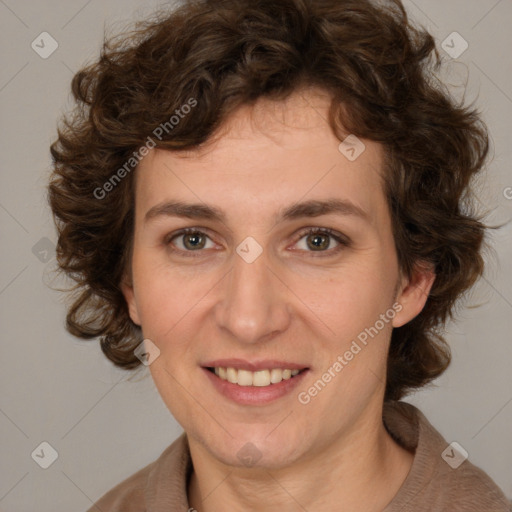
(190, 239)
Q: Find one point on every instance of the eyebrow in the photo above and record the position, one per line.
(311, 208)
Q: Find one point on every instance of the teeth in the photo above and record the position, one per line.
(244, 378)
(232, 375)
(276, 375)
(260, 378)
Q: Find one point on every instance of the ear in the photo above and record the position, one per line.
(129, 295)
(413, 293)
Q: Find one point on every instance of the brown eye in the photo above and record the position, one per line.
(194, 241)
(318, 241)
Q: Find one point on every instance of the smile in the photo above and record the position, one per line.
(255, 384)
(260, 378)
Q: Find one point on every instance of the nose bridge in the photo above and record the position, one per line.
(253, 302)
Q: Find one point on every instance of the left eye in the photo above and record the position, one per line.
(320, 240)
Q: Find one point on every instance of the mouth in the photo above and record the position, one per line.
(251, 383)
(260, 378)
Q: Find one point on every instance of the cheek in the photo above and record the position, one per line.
(171, 305)
(351, 331)
(158, 297)
(359, 318)
(349, 299)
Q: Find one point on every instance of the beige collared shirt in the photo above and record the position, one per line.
(432, 485)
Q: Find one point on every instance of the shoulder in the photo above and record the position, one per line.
(472, 489)
(143, 489)
(442, 476)
(464, 487)
(127, 496)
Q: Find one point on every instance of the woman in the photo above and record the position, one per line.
(266, 203)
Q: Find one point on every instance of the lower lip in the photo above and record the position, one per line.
(254, 395)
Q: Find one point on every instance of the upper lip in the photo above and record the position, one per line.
(253, 366)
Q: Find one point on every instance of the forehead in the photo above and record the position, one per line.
(265, 156)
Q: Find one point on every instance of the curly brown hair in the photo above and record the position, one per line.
(380, 71)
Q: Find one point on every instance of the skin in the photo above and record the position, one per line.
(295, 302)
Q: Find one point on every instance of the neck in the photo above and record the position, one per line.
(363, 469)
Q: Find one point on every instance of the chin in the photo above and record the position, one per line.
(259, 450)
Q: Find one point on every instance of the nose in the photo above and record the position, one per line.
(253, 306)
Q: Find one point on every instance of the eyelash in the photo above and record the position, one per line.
(343, 241)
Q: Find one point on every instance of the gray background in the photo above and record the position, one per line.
(106, 424)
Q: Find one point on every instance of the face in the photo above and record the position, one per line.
(286, 263)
